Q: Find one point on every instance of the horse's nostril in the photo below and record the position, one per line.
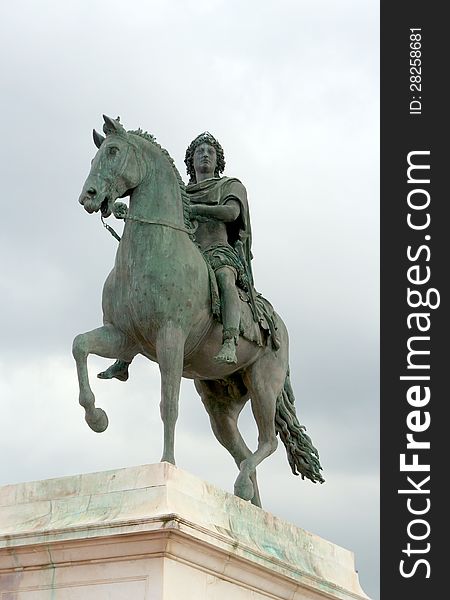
(91, 191)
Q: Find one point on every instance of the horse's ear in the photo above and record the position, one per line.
(98, 138)
(112, 126)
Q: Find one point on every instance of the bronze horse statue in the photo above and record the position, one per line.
(157, 303)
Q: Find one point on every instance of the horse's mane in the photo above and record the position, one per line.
(151, 138)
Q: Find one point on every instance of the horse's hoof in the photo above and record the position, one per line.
(168, 459)
(97, 420)
(243, 488)
(119, 370)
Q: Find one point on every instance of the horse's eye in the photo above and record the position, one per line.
(113, 150)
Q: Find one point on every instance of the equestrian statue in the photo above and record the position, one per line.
(182, 294)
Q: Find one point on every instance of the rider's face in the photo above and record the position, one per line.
(205, 159)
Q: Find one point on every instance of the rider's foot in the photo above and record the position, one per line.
(119, 370)
(227, 353)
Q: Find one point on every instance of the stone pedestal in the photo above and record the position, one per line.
(157, 533)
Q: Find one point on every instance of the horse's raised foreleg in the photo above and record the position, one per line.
(223, 413)
(170, 354)
(106, 341)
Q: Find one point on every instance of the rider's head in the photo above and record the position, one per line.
(204, 138)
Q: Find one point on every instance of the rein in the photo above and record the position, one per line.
(110, 229)
(163, 223)
(148, 222)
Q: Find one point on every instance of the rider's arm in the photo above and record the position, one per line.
(227, 212)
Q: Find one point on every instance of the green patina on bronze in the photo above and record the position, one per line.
(182, 294)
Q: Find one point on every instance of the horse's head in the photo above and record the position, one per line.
(115, 170)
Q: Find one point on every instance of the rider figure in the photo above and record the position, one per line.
(219, 205)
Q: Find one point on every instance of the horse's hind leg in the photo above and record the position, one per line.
(106, 341)
(264, 380)
(223, 412)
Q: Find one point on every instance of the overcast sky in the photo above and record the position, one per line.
(290, 88)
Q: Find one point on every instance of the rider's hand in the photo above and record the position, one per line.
(195, 211)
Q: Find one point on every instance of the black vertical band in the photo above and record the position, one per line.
(415, 223)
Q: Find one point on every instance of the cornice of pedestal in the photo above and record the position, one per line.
(159, 511)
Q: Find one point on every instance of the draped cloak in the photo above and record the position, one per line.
(217, 191)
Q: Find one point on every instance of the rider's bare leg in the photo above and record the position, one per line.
(226, 280)
(119, 370)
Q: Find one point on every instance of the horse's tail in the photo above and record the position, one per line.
(302, 455)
